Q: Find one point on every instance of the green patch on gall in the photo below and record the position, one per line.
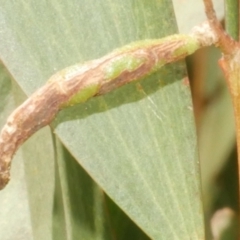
(82, 96)
(124, 63)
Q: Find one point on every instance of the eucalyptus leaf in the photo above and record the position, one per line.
(138, 142)
(14, 206)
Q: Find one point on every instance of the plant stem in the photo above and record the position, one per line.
(225, 42)
(230, 64)
(231, 69)
(232, 18)
(78, 83)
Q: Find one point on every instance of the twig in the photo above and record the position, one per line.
(80, 82)
(230, 64)
(225, 42)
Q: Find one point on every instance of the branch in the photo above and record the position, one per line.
(230, 64)
(225, 42)
(80, 82)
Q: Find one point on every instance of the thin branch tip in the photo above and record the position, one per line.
(225, 42)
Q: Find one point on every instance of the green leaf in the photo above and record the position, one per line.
(138, 142)
(232, 18)
(14, 207)
(82, 209)
(37, 156)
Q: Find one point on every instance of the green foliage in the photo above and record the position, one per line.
(123, 166)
